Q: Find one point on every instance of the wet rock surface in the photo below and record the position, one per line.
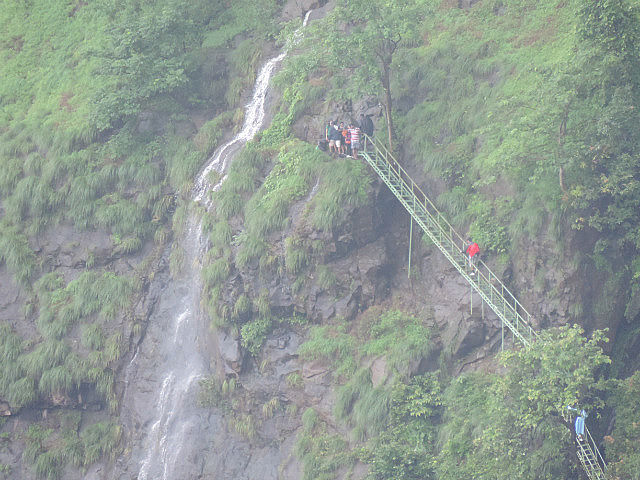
(298, 8)
(11, 298)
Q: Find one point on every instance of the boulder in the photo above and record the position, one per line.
(471, 334)
(230, 353)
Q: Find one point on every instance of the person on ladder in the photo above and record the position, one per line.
(472, 250)
(579, 423)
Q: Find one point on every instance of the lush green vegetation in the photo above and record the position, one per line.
(97, 131)
(526, 111)
(493, 425)
(322, 452)
(49, 367)
(49, 451)
(623, 446)
(264, 182)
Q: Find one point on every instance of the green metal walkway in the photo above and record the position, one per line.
(590, 458)
(482, 280)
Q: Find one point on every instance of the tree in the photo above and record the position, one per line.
(371, 31)
(511, 426)
(623, 445)
(603, 154)
(147, 55)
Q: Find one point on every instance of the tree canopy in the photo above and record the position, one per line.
(366, 36)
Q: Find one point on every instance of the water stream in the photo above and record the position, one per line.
(169, 432)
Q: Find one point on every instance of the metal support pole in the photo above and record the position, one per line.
(502, 339)
(471, 303)
(410, 241)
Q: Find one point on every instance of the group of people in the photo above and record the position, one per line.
(345, 139)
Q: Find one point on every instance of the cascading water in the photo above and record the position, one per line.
(169, 433)
(254, 116)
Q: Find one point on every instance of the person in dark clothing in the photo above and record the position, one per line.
(366, 124)
(335, 137)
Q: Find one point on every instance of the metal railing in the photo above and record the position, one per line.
(480, 277)
(590, 458)
(486, 283)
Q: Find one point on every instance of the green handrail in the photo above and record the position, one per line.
(485, 282)
(592, 461)
(499, 298)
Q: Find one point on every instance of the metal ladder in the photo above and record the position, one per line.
(492, 291)
(590, 458)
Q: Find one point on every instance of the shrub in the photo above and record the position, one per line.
(210, 134)
(242, 306)
(254, 334)
(16, 253)
(622, 446)
(325, 277)
(402, 338)
(270, 407)
(487, 230)
(216, 273)
(296, 256)
(366, 407)
(331, 344)
(251, 248)
(321, 454)
(100, 439)
(244, 425)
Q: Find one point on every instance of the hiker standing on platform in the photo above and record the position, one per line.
(355, 139)
(333, 135)
(347, 141)
(337, 136)
(367, 127)
(366, 124)
(472, 250)
(327, 136)
(580, 425)
(343, 144)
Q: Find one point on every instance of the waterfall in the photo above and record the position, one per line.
(161, 381)
(254, 116)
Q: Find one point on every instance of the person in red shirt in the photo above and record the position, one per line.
(472, 250)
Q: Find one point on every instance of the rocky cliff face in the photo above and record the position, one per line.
(368, 255)
(68, 253)
(253, 425)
